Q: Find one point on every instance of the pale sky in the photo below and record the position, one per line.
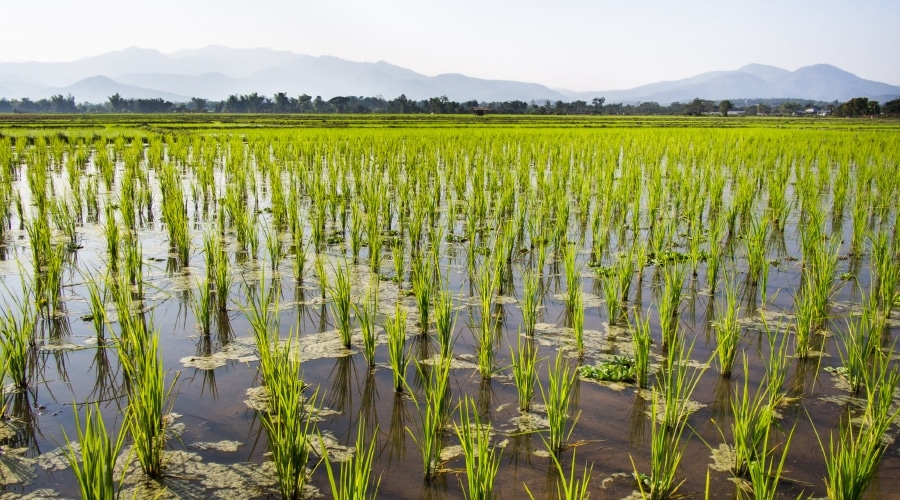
(573, 44)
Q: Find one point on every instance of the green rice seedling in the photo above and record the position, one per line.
(398, 253)
(853, 457)
(666, 452)
(578, 322)
(288, 422)
(444, 321)
(17, 333)
(486, 282)
(886, 270)
(776, 362)
(133, 260)
(111, 231)
(615, 288)
(273, 247)
(804, 323)
(222, 276)
(670, 302)
(98, 456)
(341, 304)
(573, 275)
(678, 381)
(561, 379)
(395, 329)
(859, 213)
(524, 367)
(357, 228)
(765, 473)
(482, 459)
(63, 217)
(355, 480)
(755, 237)
(728, 330)
(149, 402)
(569, 488)
(434, 415)
(640, 339)
(299, 249)
(752, 416)
(714, 236)
(39, 238)
(262, 302)
(201, 304)
(530, 302)
(366, 314)
(49, 282)
(422, 277)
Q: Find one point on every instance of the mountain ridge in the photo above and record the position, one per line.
(215, 72)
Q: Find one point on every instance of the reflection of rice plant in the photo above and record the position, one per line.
(395, 329)
(98, 456)
(341, 304)
(728, 330)
(482, 459)
(434, 414)
(640, 339)
(561, 379)
(524, 363)
(354, 482)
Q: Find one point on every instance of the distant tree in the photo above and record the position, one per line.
(60, 104)
(698, 106)
(5, 106)
(198, 105)
(304, 103)
(597, 103)
(856, 107)
(890, 107)
(117, 103)
(725, 106)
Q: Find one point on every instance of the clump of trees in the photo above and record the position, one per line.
(283, 103)
(856, 107)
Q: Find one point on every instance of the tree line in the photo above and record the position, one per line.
(283, 103)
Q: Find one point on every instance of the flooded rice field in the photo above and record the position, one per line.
(491, 312)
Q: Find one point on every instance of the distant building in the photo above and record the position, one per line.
(480, 110)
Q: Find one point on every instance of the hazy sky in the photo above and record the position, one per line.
(574, 44)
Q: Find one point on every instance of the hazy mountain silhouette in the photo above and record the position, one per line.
(216, 72)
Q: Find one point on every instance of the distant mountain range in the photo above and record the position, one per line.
(216, 72)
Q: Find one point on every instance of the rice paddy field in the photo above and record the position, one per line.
(448, 307)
